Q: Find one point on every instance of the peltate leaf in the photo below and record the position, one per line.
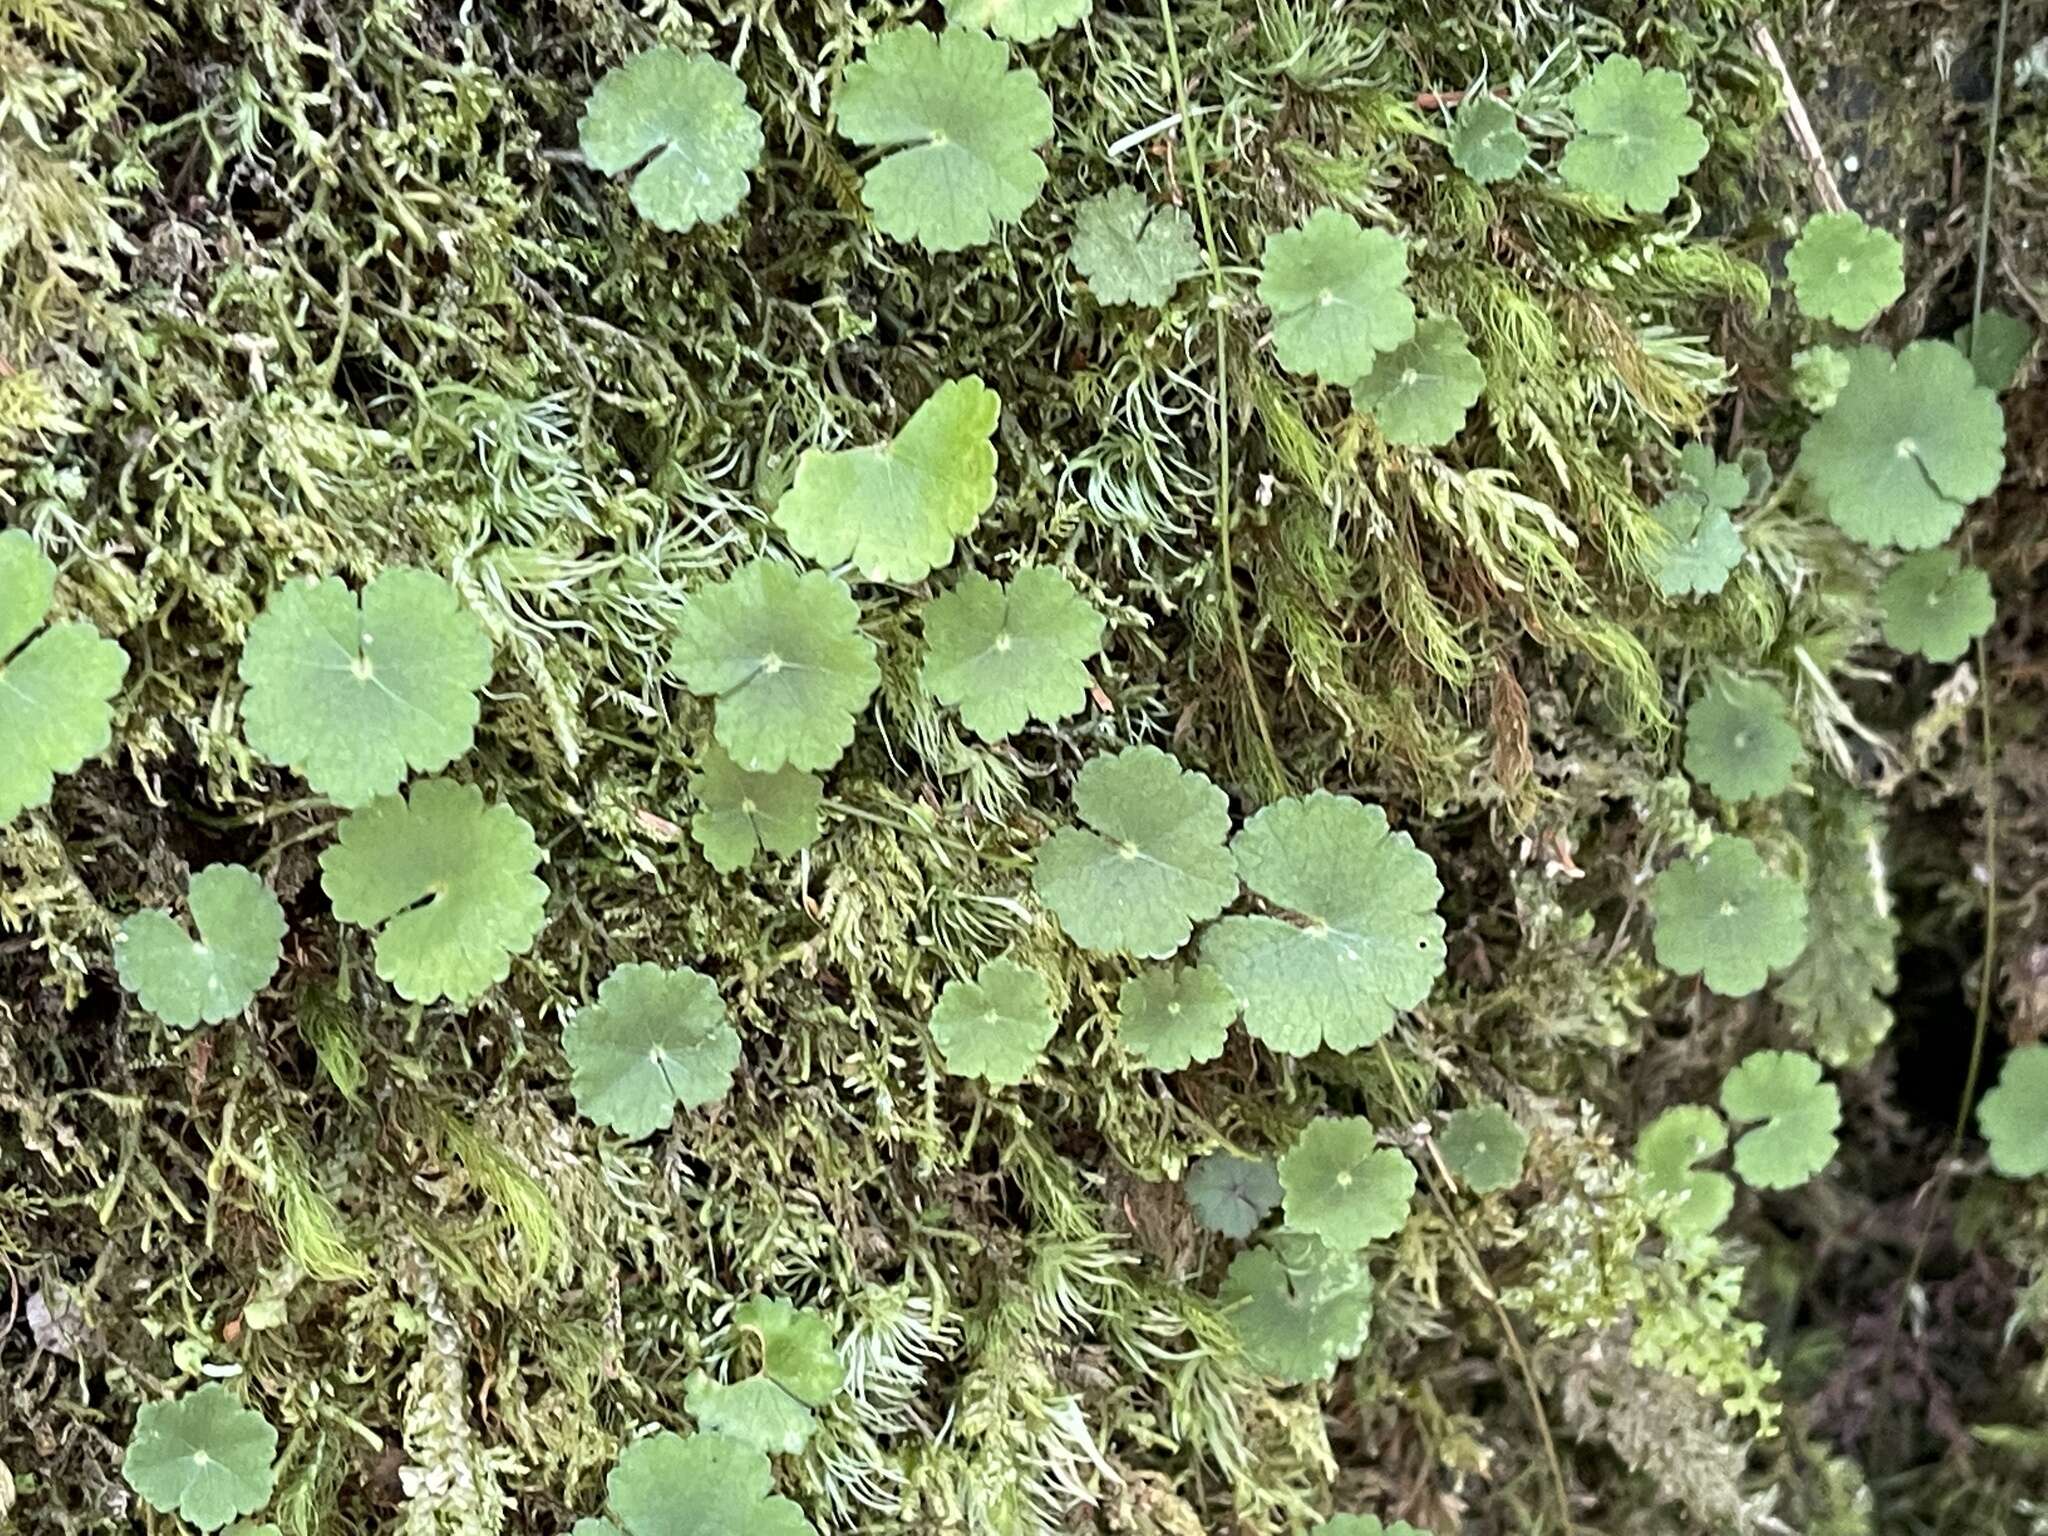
(797, 1352)
(1132, 250)
(1368, 942)
(1344, 1188)
(1337, 296)
(894, 509)
(1484, 1146)
(449, 883)
(1298, 1307)
(1934, 605)
(1636, 138)
(995, 1026)
(1909, 442)
(1740, 740)
(2014, 1115)
(755, 1412)
(1420, 392)
(1724, 917)
(654, 1039)
(704, 1484)
(784, 656)
(1007, 655)
(1171, 1018)
(1834, 994)
(354, 695)
(964, 128)
(1721, 486)
(1800, 1112)
(1844, 271)
(1019, 21)
(203, 1457)
(1487, 142)
(186, 981)
(1996, 345)
(689, 113)
(1232, 1195)
(1704, 546)
(1667, 1154)
(1154, 863)
(54, 688)
(740, 814)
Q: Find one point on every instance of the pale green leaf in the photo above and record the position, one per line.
(203, 1457)
(1908, 444)
(1799, 1112)
(1007, 655)
(2014, 1115)
(1844, 271)
(1337, 296)
(1723, 487)
(1483, 1145)
(1232, 1195)
(1703, 549)
(783, 654)
(1740, 740)
(1020, 21)
(187, 981)
(797, 1352)
(1365, 1525)
(355, 694)
(963, 129)
(740, 814)
(1667, 1154)
(894, 509)
(1420, 392)
(755, 1412)
(1132, 250)
(1934, 605)
(1153, 863)
(1487, 142)
(1367, 942)
(683, 119)
(1818, 374)
(1726, 918)
(654, 1039)
(55, 686)
(1997, 346)
(1171, 1018)
(447, 881)
(1298, 1307)
(995, 1026)
(1635, 137)
(1344, 1188)
(704, 1484)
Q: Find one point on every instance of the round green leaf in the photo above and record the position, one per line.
(1740, 740)
(1997, 346)
(55, 688)
(893, 510)
(1020, 21)
(1336, 294)
(1909, 442)
(202, 1457)
(1724, 917)
(186, 981)
(797, 1352)
(1132, 250)
(683, 119)
(1484, 1146)
(447, 880)
(1153, 865)
(1698, 472)
(740, 814)
(1635, 138)
(964, 128)
(1844, 271)
(1666, 1154)
(1009, 655)
(1298, 1307)
(704, 1484)
(1368, 942)
(2014, 1115)
(1818, 374)
(1170, 1019)
(355, 695)
(1232, 1195)
(755, 1412)
(1800, 1112)
(654, 1039)
(1703, 549)
(1342, 1187)
(1419, 393)
(1934, 605)
(995, 1026)
(1487, 142)
(784, 656)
